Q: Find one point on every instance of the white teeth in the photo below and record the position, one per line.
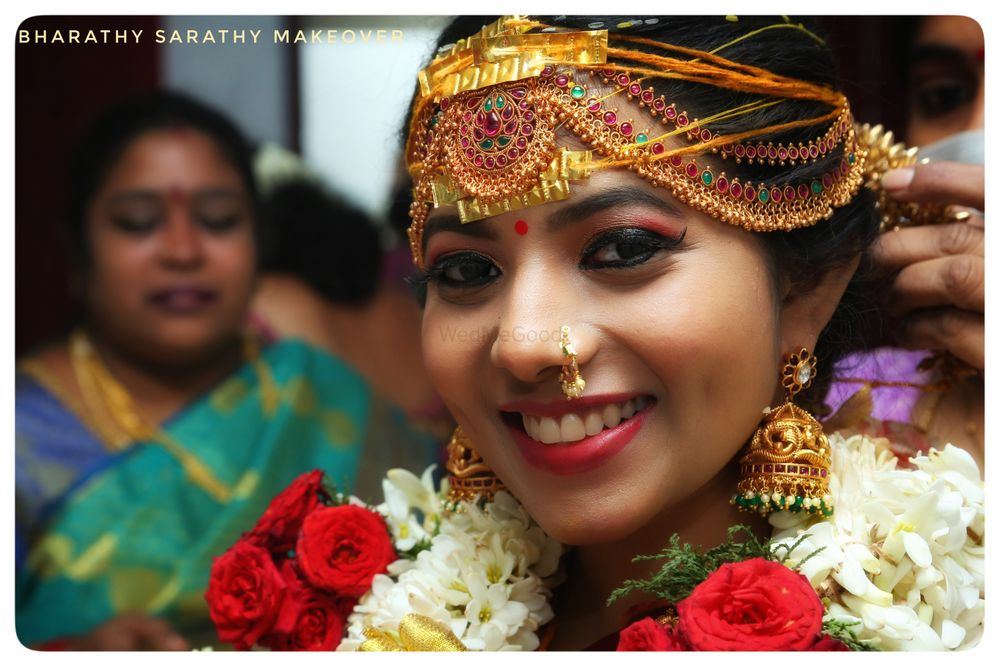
(548, 431)
(571, 429)
(592, 424)
(612, 415)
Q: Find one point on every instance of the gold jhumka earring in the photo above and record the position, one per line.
(569, 379)
(787, 463)
(470, 476)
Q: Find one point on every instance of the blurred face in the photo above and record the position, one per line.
(947, 79)
(675, 323)
(172, 248)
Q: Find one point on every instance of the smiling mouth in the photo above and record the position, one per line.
(575, 426)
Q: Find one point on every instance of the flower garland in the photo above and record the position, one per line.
(898, 565)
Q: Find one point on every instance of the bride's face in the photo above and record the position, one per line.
(675, 320)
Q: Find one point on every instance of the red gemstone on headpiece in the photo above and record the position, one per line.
(510, 127)
(676, 160)
(467, 116)
(740, 150)
(779, 467)
(803, 191)
(512, 153)
(682, 120)
(469, 153)
(727, 148)
(647, 96)
(659, 104)
(761, 150)
(692, 170)
(444, 103)
(478, 161)
(528, 116)
(706, 135)
(822, 148)
(772, 152)
(548, 70)
(521, 142)
(822, 472)
(768, 467)
(722, 184)
(657, 148)
(814, 472)
(608, 72)
(776, 195)
(491, 126)
(562, 80)
(788, 193)
(477, 134)
(526, 129)
(782, 153)
(517, 92)
(813, 151)
(523, 104)
(594, 104)
(610, 118)
(501, 161)
(465, 142)
(626, 129)
(749, 193)
(751, 152)
(793, 153)
(671, 112)
(507, 112)
(635, 89)
(623, 79)
(830, 143)
(490, 163)
(736, 189)
(827, 181)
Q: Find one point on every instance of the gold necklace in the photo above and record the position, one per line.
(119, 424)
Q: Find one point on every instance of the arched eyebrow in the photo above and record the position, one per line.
(567, 215)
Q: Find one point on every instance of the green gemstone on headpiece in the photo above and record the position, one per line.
(763, 196)
(850, 158)
(641, 138)
(577, 92)
(817, 187)
(500, 102)
(488, 106)
(706, 177)
(486, 145)
(503, 140)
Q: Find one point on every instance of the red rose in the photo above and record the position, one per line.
(278, 528)
(320, 625)
(755, 605)
(649, 635)
(245, 594)
(341, 549)
(828, 643)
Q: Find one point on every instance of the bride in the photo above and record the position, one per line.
(633, 236)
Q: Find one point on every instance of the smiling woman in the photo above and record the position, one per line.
(684, 199)
(147, 438)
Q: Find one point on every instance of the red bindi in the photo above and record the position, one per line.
(521, 227)
(177, 194)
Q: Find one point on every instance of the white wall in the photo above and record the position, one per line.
(354, 98)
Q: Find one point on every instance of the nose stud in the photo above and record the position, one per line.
(570, 381)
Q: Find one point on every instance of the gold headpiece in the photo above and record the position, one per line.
(483, 133)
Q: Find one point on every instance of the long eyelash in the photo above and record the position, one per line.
(422, 278)
(654, 240)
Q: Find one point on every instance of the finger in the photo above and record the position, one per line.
(159, 635)
(946, 281)
(940, 182)
(958, 331)
(903, 247)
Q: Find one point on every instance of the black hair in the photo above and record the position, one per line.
(322, 239)
(799, 258)
(110, 134)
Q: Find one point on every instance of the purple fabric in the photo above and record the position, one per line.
(888, 365)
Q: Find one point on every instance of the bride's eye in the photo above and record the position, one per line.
(622, 248)
(462, 270)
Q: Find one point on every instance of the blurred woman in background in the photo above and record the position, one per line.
(163, 424)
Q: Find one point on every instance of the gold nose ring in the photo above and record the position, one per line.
(570, 381)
